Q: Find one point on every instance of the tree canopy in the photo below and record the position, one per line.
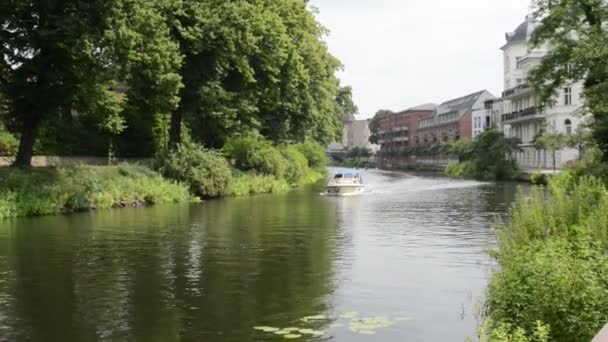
(374, 125)
(136, 72)
(578, 40)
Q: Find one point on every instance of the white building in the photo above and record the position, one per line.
(518, 108)
(355, 134)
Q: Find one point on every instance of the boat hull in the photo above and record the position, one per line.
(345, 190)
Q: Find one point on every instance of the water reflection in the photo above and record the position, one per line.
(413, 247)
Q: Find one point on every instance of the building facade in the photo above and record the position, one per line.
(454, 120)
(398, 130)
(355, 134)
(520, 113)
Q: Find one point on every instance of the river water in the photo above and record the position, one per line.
(411, 252)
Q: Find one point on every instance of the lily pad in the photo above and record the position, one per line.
(314, 318)
(291, 329)
(311, 332)
(282, 332)
(292, 336)
(266, 329)
(336, 325)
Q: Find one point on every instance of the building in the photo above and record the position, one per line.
(519, 106)
(453, 120)
(355, 134)
(398, 130)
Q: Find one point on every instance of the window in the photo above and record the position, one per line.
(567, 96)
(568, 124)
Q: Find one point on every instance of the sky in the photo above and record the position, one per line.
(402, 53)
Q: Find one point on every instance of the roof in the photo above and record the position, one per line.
(348, 172)
(426, 106)
(521, 32)
(461, 104)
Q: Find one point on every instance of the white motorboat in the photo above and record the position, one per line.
(345, 183)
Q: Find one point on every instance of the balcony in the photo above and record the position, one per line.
(515, 91)
(528, 113)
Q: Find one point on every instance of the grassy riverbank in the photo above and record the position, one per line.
(189, 173)
(553, 279)
(46, 191)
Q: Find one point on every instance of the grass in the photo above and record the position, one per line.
(46, 191)
(245, 184)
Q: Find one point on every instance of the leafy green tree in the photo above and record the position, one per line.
(551, 142)
(576, 32)
(344, 99)
(374, 125)
(63, 56)
(255, 66)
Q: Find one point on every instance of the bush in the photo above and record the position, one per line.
(8, 143)
(315, 154)
(539, 179)
(244, 184)
(559, 282)
(505, 332)
(206, 172)
(553, 260)
(253, 153)
(48, 191)
(296, 164)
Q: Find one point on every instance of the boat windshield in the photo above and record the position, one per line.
(344, 176)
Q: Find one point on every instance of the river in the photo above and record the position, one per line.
(406, 261)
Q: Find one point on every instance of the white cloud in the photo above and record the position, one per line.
(398, 54)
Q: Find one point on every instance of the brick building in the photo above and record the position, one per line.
(452, 121)
(398, 130)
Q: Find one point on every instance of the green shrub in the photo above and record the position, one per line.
(557, 281)
(539, 179)
(253, 153)
(206, 171)
(455, 170)
(8, 143)
(505, 332)
(244, 184)
(296, 164)
(553, 260)
(315, 154)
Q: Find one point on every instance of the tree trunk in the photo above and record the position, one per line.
(175, 133)
(29, 132)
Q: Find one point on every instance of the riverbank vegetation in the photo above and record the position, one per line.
(45, 191)
(553, 259)
(488, 157)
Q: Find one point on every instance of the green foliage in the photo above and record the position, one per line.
(296, 164)
(539, 179)
(374, 125)
(505, 332)
(553, 260)
(206, 171)
(315, 154)
(8, 143)
(52, 191)
(245, 184)
(576, 32)
(488, 157)
(253, 153)
(359, 152)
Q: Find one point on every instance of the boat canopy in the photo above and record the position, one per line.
(347, 173)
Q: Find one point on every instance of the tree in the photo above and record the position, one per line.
(256, 65)
(374, 125)
(578, 39)
(63, 56)
(344, 99)
(582, 138)
(551, 142)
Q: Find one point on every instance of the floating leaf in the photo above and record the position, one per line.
(266, 329)
(282, 332)
(311, 332)
(292, 336)
(291, 329)
(336, 325)
(314, 318)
